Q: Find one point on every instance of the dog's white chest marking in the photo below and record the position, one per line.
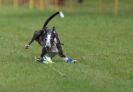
(48, 40)
(54, 47)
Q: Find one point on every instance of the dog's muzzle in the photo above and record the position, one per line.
(47, 47)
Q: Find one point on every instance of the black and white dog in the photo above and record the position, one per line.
(49, 41)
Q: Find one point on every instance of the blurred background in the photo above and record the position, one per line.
(104, 7)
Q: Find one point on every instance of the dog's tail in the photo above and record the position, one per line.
(51, 17)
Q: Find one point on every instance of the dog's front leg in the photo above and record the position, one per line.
(35, 37)
(60, 51)
(42, 54)
(65, 58)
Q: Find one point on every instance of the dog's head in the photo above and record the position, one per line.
(49, 37)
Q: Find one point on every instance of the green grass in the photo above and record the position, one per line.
(102, 44)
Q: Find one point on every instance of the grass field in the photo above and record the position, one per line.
(102, 44)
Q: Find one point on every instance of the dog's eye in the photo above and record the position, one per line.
(45, 39)
(52, 40)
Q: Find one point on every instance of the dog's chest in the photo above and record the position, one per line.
(54, 47)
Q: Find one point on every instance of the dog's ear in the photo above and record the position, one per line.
(45, 29)
(54, 30)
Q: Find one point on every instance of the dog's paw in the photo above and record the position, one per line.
(45, 60)
(75, 61)
(26, 46)
(38, 59)
(71, 60)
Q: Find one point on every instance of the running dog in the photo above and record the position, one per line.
(49, 41)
